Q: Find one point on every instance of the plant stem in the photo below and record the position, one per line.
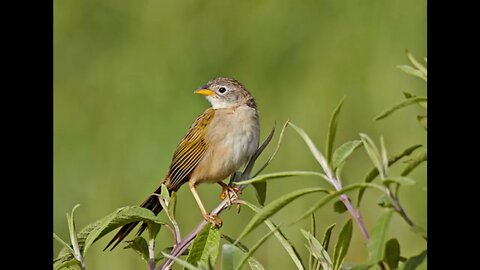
(188, 239)
(151, 254)
(356, 215)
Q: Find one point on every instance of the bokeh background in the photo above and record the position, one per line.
(124, 75)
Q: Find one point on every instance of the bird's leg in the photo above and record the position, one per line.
(215, 220)
(226, 189)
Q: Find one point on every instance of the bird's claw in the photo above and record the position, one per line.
(214, 220)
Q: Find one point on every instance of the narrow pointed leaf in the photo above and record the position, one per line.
(373, 153)
(267, 176)
(403, 104)
(417, 160)
(318, 251)
(287, 245)
(181, 262)
(415, 63)
(375, 244)
(326, 199)
(313, 149)
(327, 235)
(332, 129)
(60, 240)
(117, 219)
(392, 160)
(404, 181)
(343, 152)
(413, 262)
(254, 248)
(205, 246)
(342, 245)
(272, 208)
(410, 70)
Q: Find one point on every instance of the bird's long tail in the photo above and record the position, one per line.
(150, 203)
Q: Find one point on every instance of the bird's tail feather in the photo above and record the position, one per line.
(150, 203)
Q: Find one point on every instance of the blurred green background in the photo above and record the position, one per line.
(124, 75)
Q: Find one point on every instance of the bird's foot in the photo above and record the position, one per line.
(227, 190)
(214, 220)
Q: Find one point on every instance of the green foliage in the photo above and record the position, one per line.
(270, 209)
(205, 246)
(392, 253)
(342, 245)
(332, 130)
(376, 243)
(343, 152)
(414, 261)
(205, 240)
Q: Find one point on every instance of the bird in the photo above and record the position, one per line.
(219, 142)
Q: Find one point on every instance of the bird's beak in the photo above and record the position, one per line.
(205, 92)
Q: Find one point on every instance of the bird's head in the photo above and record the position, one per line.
(226, 93)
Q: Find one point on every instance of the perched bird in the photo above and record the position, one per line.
(219, 142)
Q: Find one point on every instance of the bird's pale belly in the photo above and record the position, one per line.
(231, 152)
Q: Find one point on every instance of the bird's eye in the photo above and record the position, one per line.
(222, 90)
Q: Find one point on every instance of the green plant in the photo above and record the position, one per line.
(202, 246)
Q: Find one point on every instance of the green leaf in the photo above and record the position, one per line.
(392, 253)
(332, 129)
(231, 256)
(413, 262)
(254, 263)
(67, 264)
(270, 209)
(264, 177)
(339, 207)
(419, 230)
(172, 205)
(415, 63)
(333, 195)
(417, 160)
(181, 262)
(313, 232)
(404, 103)
(375, 244)
(117, 219)
(342, 245)
(60, 240)
(392, 160)
(373, 153)
(73, 235)
(165, 194)
(422, 119)
(405, 181)
(327, 235)
(260, 191)
(410, 70)
(343, 152)
(384, 155)
(205, 246)
(317, 250)
(140, 246)
(254, 248)
(313, 149)
(281, 238)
